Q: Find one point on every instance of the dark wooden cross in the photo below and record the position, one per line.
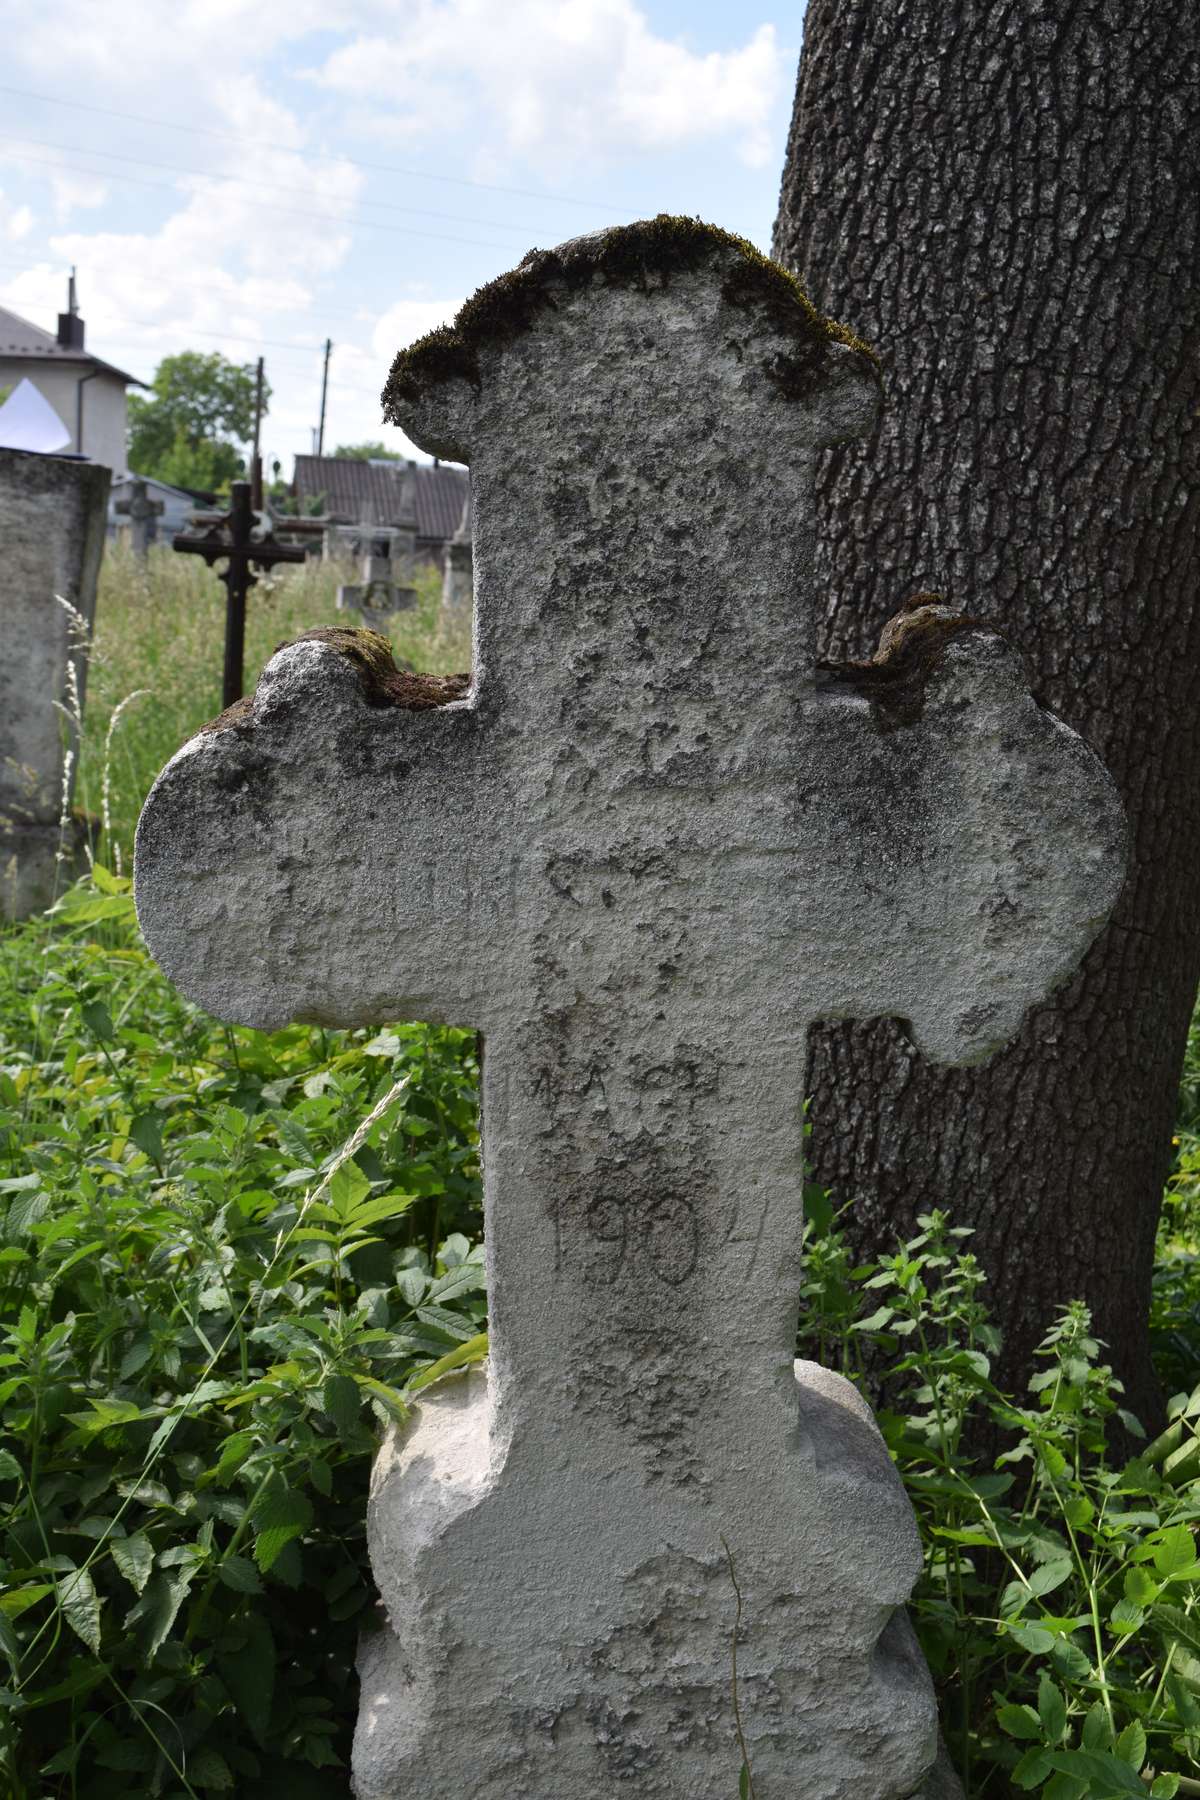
(232, 539)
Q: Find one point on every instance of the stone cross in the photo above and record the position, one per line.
(457, 565)
(642, 852)
(384, 554)
(52, 520)
(142, 513)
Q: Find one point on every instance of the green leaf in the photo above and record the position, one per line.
(98, 1020)
(1175, 1550)
(146, 1131)
(1020, 1722)
(1070, 1661)
(1097, 1732)
(1131, 1745)
(1164, 1787)
(467, 1278)
(80, 1605)
(1051, 1575)
(744, 1783)
(1032, 1769)
(158, 1608)
(239, 1573)
(1126, 1617)
(1140, 1586)
(342, 1401)
(1033, 1638)
(1107, 1776)
(134, 1556)
(207, 1768)
(10, 1468)
(1052, 1710)
(471, 1352)
(249, 1674)
(282, 1514)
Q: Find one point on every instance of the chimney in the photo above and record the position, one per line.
(70, 325)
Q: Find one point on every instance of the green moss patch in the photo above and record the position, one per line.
(382, 682)
(628, 256)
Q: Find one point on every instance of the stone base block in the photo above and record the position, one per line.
(555, 1637)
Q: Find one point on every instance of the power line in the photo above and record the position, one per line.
(278, 187)
(171, 187)
(326, 312)
(227, 137)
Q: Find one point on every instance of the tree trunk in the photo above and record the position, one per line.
(1002, 198)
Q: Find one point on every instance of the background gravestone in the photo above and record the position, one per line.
(52, 523)
(647, 848)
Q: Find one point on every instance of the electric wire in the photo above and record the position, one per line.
(490, 187)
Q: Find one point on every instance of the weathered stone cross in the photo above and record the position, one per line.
(142, 513)
(648, 847)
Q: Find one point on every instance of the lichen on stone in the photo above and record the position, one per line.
(630, 256)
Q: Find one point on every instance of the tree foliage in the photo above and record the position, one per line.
(368, 452)
(188, 428)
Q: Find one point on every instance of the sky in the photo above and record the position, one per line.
(227, 175)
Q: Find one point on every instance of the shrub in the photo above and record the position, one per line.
(1057, 1604)
(225, 1257)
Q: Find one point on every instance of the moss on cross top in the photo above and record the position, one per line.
(627, 256)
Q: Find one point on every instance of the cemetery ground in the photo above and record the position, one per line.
(229, 1257)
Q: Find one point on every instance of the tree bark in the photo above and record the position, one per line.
(1002, 198)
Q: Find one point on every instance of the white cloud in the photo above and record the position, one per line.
(16, 222)
(73, 189)
(554, 79)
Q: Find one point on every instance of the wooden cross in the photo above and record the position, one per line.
(239, 541)
(648, 847)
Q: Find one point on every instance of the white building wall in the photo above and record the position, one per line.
(104, 412)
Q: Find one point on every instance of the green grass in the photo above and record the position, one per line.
(159, 636)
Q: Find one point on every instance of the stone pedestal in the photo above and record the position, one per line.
(52, 522)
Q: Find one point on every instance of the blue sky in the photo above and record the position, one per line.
(227, 175)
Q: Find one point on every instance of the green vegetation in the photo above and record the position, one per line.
(188, 428)
(225, 1259)
(369, 452)
(1058, 1606)
(157, 656)
(229, 1258)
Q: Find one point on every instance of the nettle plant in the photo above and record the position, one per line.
(226, 1261)
(1058, 1603)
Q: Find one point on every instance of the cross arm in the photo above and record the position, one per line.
(319, 853)
(972, 843)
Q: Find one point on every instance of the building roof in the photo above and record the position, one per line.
(28, 342)
(436, 491)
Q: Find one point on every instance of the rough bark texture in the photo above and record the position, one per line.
(1002, 199)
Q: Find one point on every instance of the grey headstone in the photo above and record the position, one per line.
(52, 523)
(648, 847)
(458, 577)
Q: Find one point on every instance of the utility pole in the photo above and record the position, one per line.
(324, 391)
(256, 476)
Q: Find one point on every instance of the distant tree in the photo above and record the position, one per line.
(368, 453)
(188, 428)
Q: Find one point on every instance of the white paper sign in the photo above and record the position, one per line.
(29, 422)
